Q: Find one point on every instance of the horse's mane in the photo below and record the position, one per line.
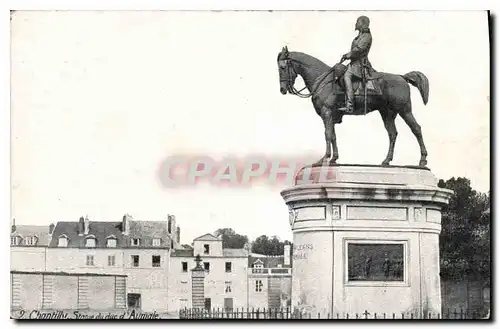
(308, 60)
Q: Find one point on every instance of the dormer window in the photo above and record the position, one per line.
(15, 240)
(111, 241)
(156, 242)
(258, 264)
(134, 242)
(30, 240)
(63, 241)
(90, 241)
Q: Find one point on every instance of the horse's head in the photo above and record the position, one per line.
(286, 71)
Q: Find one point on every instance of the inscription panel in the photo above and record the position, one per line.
(310, 213)
(374, 213)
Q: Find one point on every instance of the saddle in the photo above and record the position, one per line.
(372, 81)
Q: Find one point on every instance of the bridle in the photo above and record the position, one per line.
(319, 80)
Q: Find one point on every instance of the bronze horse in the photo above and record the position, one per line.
(327, 93)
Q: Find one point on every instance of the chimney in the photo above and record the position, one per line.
(13, 225)
(178, 237)
(51, 228)
(287, 254)
(81, 225)
(126, 224)
(86, 225)
(171, 224)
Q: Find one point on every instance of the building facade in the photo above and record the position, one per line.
(270, 280)
(29, 243)
(138, 251)
(226, 269)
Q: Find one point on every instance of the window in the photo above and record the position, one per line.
(206, 265)
(135, 261)
(184, 266)
(111, 243)
(228, 267)
(169, 226)
(90, 243)
(14, 240)
(90, 260)
(228, 286)
(156, 261)
(134, 242)
(156, 242)
(206, 249)
(111, 260)
(31, 240)
(258, 285)
(63, 241)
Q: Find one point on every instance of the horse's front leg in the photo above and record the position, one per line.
(333, 140)
(326, 115)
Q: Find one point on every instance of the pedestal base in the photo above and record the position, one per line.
(366, 241)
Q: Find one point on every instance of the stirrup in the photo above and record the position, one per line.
(346, 109)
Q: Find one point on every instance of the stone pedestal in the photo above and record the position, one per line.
(366, 238)
(198, 284)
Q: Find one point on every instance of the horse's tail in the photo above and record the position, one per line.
(420, 81)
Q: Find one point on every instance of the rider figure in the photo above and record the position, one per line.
(359, 59)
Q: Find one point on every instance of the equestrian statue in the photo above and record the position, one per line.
(355, 89)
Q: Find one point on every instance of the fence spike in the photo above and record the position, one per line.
(393, 315)
(375, 315)
(356, 315)
(411, 315)
(402, 315)
(384, 316)
(347, 316)
(338, 316)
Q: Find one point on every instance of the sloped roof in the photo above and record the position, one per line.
(208, 237)
(230, 252)
(39, 231)
(182, 253)
(145, 231)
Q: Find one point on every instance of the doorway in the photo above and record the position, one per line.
(208, 304)
(134, 300)
(228, 304)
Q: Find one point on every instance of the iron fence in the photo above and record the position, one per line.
(287, 313)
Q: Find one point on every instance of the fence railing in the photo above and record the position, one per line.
(285, 314)
(271, 271)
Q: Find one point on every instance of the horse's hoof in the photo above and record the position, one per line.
(386, 163)
(332, 162)
(422, 163)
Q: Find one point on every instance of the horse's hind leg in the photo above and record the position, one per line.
(389, 118)
(416, 130)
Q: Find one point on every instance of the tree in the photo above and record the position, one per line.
(231, 239)
(465, 237)
(269, 246)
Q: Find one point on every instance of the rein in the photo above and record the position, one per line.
(319, 80)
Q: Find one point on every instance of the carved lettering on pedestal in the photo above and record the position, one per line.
(301, 251)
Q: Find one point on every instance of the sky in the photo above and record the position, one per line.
(100, 99)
